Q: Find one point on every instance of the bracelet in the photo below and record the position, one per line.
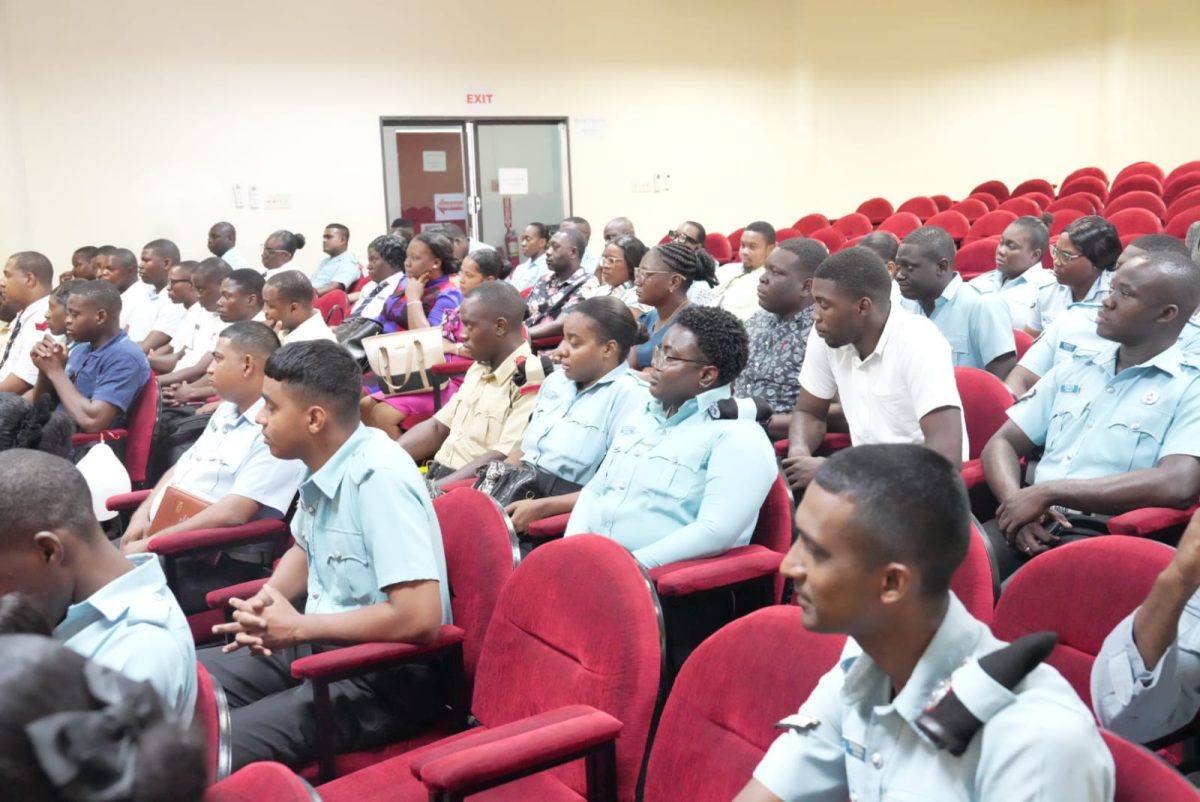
(410, 303)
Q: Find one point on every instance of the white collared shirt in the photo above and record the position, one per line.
(198, 333)
(1020, 293)
(156, 312)
(884, 397)
(133, 299)
(20, 360)
(374, 307)
(314, 328)
(739, 294)
(233, 257)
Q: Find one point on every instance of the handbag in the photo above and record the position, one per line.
(351, 333)
(402, 359)
(507, 483)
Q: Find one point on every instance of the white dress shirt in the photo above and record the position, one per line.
(20, 360)
(314, 328)
(233, 257)
(155, 312)
(133, 299)
(197, 335)
(370, 303)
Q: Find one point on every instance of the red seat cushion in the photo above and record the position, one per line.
(739, 564)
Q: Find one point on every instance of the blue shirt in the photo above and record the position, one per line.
(645, 352)
(342, 269)
(571, 431)
(853, 738)
(1019, 294)
(1054, 299)
(680, 487)
(366, 523)
(114, 373)
(134, 625)
(978, 327)
(1095, 422)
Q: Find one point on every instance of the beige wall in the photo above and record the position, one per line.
(127, 120)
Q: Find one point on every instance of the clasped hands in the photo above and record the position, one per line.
(265, 622)
(1025, 517)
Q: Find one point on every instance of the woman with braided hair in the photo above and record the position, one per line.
(37, 426)
(666, 274)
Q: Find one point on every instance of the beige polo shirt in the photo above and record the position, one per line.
(488, 413)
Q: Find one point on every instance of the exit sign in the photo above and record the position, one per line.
(480, 98)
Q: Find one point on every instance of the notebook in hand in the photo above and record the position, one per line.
(176, 507)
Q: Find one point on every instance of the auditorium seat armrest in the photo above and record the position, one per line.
(547, 528)
(123, 502)
(456, 368)
(182, 544)
(544, 343)
(1149, 521)
(972, 473)
(834, 441)
(219, 599)
(517, 749)
(741, 564)
(83, 438)
(360, 658)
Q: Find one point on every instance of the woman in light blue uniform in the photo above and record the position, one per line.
(579, 407)
(1084, 257)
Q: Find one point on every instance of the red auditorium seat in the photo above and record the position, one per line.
(718, 248)
(996, 189)
(1087, 172)
(832, 238)
(1141, 168)
(572, 659)
(1081, 203)
(137, 434)
(976, 257)
(990, 201)
(956, 223)
(262, 782)
(1180, 184)
(1135, 183)
(1137, 199)
(1164, 524)
(1186, 167)
(809, 223)
(985, 404)
(785, 234)
(901, 224)
(1143, 776)
(1023, 339)
(1178, 225)
(212, 720)
(943, 202)
(971, 208)
(991, 224)
(852, 242)
(1039, 185)
(976, 583)
(765, 664)
(1063, 218)
(1021, 205)
(1085, 183)
(1135, 223)
(1185, 201)
(876, 210)
(735, 242)
(923, 207)
(853, 224)
(1040, 198)
(334, 306)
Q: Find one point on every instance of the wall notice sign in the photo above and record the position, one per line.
(434, 161)
(450, 206)
(514, 181)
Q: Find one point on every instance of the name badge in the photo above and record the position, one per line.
(1068, 388)
(1068, 347)
(856, 751)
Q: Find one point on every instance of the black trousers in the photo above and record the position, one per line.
(1009, 558)
(273, 716)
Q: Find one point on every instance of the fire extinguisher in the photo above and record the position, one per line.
(510, 236)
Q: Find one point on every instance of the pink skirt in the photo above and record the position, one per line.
(419, 403)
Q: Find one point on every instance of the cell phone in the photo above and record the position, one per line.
(1055, 528)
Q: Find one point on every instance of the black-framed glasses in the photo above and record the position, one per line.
(179, 281)
(679, 236)
(659, 358)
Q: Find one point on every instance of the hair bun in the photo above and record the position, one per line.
(300, 241)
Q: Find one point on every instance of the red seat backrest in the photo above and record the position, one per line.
(1141, 168)
(971, 208)
(1080, 202)
(1137, 199)
(901, 224)
(976, 258)
(1023, 339)
(1184, 201)
(784, 234)
(876, 210)
(143, 416)
(1085, 183)
(1135, 222)
(1034, 185)
(943, 202)
(997, 189)
(974, 582)
(333, 306)
(718, 248)
(1186, 167)
(809, 223)
(1180, 184)
(735, 242)
(923, 207)
(991, 224)
(212, 719)
(853, 224)
(1022, 205)
(985, 403)
(989, 200)
(259, 782)
(774, 527)
(1178, 225)
(953, 221)
(1080, 590)
(1063, 218)
(765, 665)
(578, 623)
(1135, 183)
(1143, 776)
(1087, 172)
(832, 238)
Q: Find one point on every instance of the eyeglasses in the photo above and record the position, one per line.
(1063, 256)
(272, 250)
(659, 358)
(179, 281)
(643, 274)
(679, 236)
(611, 260)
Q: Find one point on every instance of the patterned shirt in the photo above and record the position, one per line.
(550, 289)
(777, 348)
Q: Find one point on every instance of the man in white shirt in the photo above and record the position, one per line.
(891, 369)
(191, 348)
(158, 315)
(288, 307)
(222, 242)
(739, 291)
(534, 241)
(121, 270)
(25, 287)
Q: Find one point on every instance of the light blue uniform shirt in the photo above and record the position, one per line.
(1054, 299)
(365, 522)
(526, 274)
(851, 739)
(342, 268)
(134, 625)
(1095, 422)
(570, 431)
(681, 487)
(1019, 294)
(978, 327)
(1072, 335)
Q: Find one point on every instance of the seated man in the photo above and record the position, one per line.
(891, 369)
(977, 327)
(567, 283)
(882, 530)
(191, 349)
(486, 418)
(679, 482)
(229, 466)
(534, 241)
(589, 259)
(369, 554)
(121, 270)
(26, 288)
(105, 373)
(618, 227)
(779, 330)
(885, 245)
(463, 244)
(1019, 275)
(116, 611)
(222, 243)
(288, 308)
(339, 269)
(1120, 429)
(158, 315)
(739, 287)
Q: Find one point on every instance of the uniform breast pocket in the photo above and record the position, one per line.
(960, 347)
(350, 568)
(678, 472)
(1137, 436)
(1064, 419)
(584, 443)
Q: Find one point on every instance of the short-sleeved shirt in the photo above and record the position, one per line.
(625, 293)
(231, 458)
(884, 397)
(233, 257)
(310, 330)
(488, 413)
(134, 625)
(526, 274)
(155, 312)
(133, 298)
(853, 739)
(549, 290)
(373, 296)
(1054, 299)
(739, 294)
(114, 373)
(197, 335)
(342, 269)
(679, 487)
(1095, 422)
(977, 326)
(1019, 294)
(643, 353)
(20, 355)
(571, 431)
(439, 296)
(365, 523)
(777, 348)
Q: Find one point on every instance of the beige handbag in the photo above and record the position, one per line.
(402, 359)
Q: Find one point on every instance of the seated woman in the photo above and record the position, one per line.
(385, 269)
(579, 407)
(428, 291)
(278, 252)
(679, 482)
(619, 261)
(663, 280)
(388, 412)
(1085, 256)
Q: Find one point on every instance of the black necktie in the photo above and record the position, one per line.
(363, 303)
(12, 338)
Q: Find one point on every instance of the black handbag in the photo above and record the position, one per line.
(507, 483)
(352, 332)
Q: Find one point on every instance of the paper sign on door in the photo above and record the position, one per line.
(450, 206)
(514, 181)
